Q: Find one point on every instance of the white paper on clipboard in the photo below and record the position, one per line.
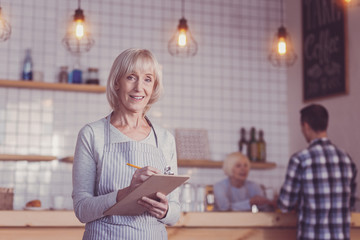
(155, 183)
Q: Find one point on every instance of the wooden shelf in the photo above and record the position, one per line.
(201, 163)
(15, 157)
(69, 159)
(218, 164)
(53, 86)
(181, 162)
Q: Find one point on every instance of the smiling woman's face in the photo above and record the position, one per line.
(134, 90)
(240, 170)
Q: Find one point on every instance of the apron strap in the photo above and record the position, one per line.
(152, 127)
(107, 130)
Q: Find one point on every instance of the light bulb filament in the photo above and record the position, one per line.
(79, 30)
(282, 46)
(182, 38)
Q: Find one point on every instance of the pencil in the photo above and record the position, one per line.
(131, 165)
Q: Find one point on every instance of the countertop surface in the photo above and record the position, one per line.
(191, 219)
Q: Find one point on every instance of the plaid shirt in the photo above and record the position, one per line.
(320, 184)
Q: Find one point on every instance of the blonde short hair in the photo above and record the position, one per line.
(126, 63)
(230, 161)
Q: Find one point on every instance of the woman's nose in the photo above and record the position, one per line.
(138, 85)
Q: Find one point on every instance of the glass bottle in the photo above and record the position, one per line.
(76, 73)
(63, 75)
(243, 143)
(261, 147)
(209, 198)
(27, 70)
(252, 147)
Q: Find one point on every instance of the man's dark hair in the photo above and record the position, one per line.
(316, 116)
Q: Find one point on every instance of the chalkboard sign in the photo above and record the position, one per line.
(324, 48)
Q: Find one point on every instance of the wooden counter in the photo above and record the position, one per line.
(41, 225)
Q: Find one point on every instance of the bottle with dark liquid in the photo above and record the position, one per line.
(261, 147)
(243, 143)
(93, 76)
(27, 70)
(252, 147)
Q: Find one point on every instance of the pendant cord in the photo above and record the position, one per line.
(183, 8)
(282, 13)
(78, 4)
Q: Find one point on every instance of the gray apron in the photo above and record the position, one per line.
(115, 175)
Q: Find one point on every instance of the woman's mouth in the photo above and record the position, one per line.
(137, 97)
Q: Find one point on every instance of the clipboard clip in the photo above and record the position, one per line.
(167, 171)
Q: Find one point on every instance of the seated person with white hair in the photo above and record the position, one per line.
(235, 193)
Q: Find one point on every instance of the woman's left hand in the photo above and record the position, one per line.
(157, 208)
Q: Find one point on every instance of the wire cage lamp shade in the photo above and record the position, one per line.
(182, 43)
(282, 52)
(5, 28)
(77, 39)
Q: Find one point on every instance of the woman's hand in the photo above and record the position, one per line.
(138, 177)
(141, 175)
(157, 208)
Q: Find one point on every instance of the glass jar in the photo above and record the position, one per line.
(93, 76)
(63, 75)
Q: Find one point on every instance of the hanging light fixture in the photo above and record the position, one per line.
(182, 44)
(77, 39)
(5, 28)
(282, 52)
(351, 3)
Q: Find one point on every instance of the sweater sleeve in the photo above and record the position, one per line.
(289, 193)
(353, 186)
(87, 205)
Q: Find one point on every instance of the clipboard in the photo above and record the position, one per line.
(165, 184)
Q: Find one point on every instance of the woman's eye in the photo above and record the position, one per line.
(131, 77)
(148, 79)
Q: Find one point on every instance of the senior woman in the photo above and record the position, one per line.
(104, 147)
(236, 193)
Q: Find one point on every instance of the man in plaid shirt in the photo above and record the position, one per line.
(320, 182)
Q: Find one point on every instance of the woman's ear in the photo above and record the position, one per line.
(116, 85)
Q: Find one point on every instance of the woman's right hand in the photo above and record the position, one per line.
(141, 175)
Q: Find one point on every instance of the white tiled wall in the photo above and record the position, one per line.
(229, 84)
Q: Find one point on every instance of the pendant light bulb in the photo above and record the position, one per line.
(79, 20)
(282, 46)
(79, 29)
(78, 39)
(282, 40)
(182, 44)
(182, 38)
(281, 51)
